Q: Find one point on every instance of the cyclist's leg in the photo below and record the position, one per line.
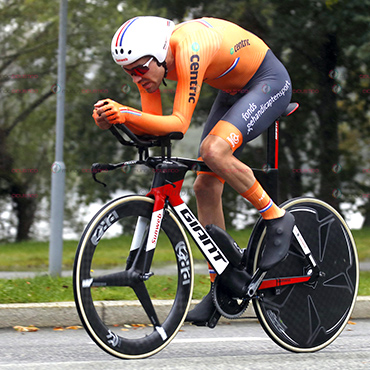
(236, 120)
(239, 176)
(208, 188)
(233, 121)
(265, 99)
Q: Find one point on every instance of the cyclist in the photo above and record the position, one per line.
(254, 89)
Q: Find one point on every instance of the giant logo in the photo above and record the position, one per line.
(204, 241)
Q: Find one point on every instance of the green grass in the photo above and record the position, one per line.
(362, 240)
(364, 285)
(47, 289)
(33, 256)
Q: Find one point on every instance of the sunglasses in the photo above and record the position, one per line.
(139, 70)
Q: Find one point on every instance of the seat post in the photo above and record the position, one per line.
(268, 176)
(272, 167)
(273, 145)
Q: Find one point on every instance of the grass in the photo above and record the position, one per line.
(364, 286)
(47, 289)
(33, 256)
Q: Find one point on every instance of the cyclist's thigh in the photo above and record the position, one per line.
(256, 106)
(221, 105)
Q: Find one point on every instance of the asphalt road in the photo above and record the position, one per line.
(228, 346)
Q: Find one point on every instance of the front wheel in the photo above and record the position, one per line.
(98, 273)
(308, 316)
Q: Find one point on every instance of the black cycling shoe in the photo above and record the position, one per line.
(278, 238)
(204, 313)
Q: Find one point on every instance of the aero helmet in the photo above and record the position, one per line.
(142, 36)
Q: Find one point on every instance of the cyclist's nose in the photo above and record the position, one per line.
(136, 79)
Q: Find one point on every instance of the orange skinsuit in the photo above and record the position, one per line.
(209, 50)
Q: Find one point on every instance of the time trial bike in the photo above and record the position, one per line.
(303, 303)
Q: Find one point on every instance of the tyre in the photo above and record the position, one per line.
(141, 326)
(307, 317)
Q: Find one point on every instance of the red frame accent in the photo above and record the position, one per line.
(276, 144)
(273, 283)
(160, 194)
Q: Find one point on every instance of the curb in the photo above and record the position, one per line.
(65, 313)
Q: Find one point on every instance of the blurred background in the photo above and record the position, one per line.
(324, 147)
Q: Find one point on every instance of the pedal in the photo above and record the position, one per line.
(212, 322)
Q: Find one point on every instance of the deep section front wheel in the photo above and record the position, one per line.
(308, 316)
(106, 266)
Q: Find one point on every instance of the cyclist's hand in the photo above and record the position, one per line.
(101, 121)
(110, 110)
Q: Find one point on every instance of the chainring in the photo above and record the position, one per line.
(226, 304)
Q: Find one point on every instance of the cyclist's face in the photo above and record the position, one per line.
(146, 72)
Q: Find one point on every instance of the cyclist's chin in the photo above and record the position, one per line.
(150, 87)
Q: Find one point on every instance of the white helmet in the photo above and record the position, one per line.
(142, 36)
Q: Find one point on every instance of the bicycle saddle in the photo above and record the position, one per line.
(290, 109)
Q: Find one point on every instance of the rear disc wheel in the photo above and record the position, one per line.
(309, 316)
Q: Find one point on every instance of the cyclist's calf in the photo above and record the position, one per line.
(208, 191)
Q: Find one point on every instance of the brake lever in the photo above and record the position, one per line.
(103, 167)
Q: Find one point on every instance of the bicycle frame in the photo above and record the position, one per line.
(169, 174)
(166, 188)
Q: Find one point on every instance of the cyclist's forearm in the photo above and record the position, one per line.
(157, 125)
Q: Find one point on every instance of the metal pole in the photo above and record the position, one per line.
(58, 168)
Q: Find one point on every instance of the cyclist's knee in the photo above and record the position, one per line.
(214, 150)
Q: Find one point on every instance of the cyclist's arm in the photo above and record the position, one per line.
(190, 67)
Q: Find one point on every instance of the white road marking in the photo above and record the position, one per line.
(213, 340)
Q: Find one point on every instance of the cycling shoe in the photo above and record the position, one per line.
(204, 313)
(278, 238)
(235, 281)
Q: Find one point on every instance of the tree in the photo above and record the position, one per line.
(325, 32)
(28, 67)
(23, 93)
(28, 88)
(325, 58)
